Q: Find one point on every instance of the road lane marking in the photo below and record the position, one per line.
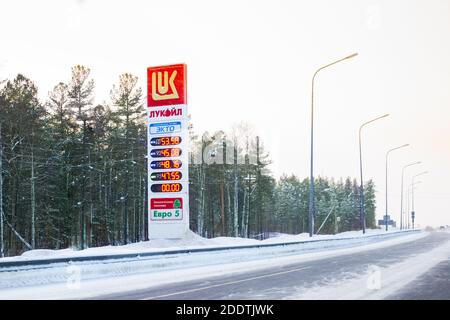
(226, 283)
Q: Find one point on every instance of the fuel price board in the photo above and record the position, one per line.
(168, 176)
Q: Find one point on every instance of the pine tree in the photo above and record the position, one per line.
(20, 149)
(127, 98)
(369, 203)
(80, 101)
(61, 115)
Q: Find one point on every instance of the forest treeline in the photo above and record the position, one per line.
(73, 173)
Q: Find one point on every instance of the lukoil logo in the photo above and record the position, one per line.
(160, 88)
(166, 85)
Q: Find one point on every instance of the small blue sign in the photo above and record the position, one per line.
(165, 127)
(383, 222)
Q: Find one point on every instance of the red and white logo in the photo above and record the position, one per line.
(166, 203)
(166, 85)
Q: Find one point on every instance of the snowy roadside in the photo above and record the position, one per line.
(100, 278)
(191, 241)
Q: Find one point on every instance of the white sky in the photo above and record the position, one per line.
(253, 61)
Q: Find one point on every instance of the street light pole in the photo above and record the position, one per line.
(387, 156)
(413, 214)
(401, 194)
(362, 211)
(311, 179)
(413, 187)
(409, 195)
(407, 209)
(409, 192)
(412, 195)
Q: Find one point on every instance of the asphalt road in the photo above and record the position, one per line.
(281, 282)
(434, 284)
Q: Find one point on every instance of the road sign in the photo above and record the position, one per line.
(389, 222)
(167, 134)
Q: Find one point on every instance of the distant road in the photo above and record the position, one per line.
(348, 276)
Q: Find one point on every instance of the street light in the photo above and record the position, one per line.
(311, 180)
(387, 156)
(412, 195)
(409, 191)
(362, 211)
(401, 194)
(418, 175)
(408, 207)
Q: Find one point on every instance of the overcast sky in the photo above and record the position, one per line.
(253, 61)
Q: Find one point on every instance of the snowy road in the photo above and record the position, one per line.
(388, 267)
(415, 269)
(434, 284)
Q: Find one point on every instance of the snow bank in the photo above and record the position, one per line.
(190, 241)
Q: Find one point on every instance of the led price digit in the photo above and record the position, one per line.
(165, 153)
(166, 187)
(165, 141)
(165, 164)
(170, 175)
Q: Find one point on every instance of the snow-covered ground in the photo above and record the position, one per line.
(190, 241)
(88, 279)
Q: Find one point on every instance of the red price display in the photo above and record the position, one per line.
(165, 164)
(167, 187)
(170, 175)
(165, 141)
(165, 153)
